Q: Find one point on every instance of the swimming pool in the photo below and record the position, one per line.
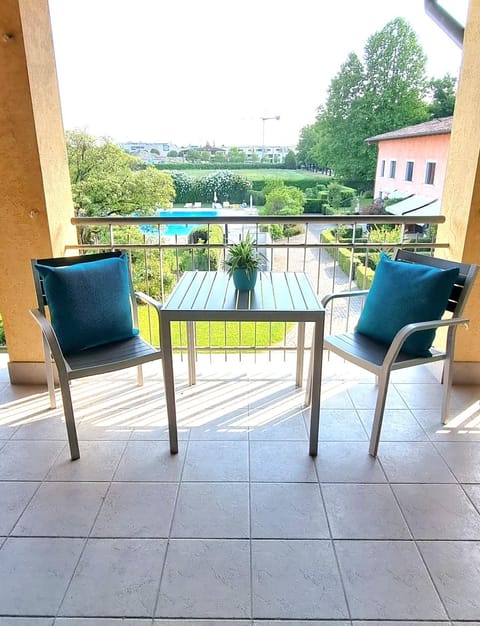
(178, 230)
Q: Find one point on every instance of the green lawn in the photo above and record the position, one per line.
(259, 174)
(218, 334)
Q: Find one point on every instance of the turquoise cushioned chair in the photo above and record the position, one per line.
(91, 326)
(381, 355)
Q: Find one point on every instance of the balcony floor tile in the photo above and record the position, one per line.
(242, 527)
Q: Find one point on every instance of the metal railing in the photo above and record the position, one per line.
(337, 252)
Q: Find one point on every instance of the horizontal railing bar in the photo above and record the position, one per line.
(299, 246)
(258, 219)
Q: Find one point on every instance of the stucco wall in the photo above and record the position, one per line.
(419, 150)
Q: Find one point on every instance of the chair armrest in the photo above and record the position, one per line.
(149, 300)
(51, 338)
(404, 333)
(345, 294)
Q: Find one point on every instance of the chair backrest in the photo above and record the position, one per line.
(463, 284)
(68, 261)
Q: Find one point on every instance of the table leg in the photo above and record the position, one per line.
(192, 376)
(169, 382)
(317, 356)
(300, 352)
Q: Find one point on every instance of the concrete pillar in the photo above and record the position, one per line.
(35, 200)
(461, 194)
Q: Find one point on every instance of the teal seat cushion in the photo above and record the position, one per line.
(89, 302)
(404, 293)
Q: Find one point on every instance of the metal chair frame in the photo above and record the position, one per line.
(381, 359)
(99, 360)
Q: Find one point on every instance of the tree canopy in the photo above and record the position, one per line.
(108, 181)
(385, 91)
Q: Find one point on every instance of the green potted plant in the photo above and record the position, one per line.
(242, 263)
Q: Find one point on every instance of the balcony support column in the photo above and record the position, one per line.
(36, 201)
(461, 196)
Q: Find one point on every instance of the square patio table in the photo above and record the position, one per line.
(211, 296)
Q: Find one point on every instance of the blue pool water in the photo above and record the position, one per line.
(173, 230)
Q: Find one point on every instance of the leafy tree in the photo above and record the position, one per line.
(154, 151)
(194, 155)
(290, 162)
(310, 137)
(172, 153)
(442, 91)
(108, 181)
(219, 157)
(236, 156)
(383, 93)
(205, 156)
(284, 200)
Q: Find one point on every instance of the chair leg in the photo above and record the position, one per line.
(69, 418)
(383, 380)
(447, 388)
(49, 374)
(140, 375)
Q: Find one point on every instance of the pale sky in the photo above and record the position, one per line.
(197, 71)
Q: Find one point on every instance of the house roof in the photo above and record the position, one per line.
(439, 126)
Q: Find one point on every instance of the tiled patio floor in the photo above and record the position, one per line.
(242, 527)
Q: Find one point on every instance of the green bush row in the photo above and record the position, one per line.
(215, 166)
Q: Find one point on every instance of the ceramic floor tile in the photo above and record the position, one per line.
(62, 510)
(98, 462)
(288, 427)
(364, 396)
(216, 461)
(96, 621)
(340, 425)
(118, 576)
(463, 459)
(455, 569)
(14, 497)
(231, 426)
(473, 492)
(343, 462)
(421, 396)
(295, 622)
(206, 578)
(201, 622)
(287, 511)
(136, 510)
(363, 512)
(296, 580)
(398, 425)
(413, 462)
(387, 580)
(150, 461)
(400, 623)
(27, 621)
(28, 460)
(46, 427)
(43, 566)
(438, 511)
(281, 461)
(212, 510)
(464, 427)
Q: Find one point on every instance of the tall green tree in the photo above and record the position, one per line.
(384, 92)
(442, 92)
(108, 181)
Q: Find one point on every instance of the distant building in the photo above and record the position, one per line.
(411, 164)
(150, 153)
(273, 154)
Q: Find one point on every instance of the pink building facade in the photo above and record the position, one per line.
(413, 160)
